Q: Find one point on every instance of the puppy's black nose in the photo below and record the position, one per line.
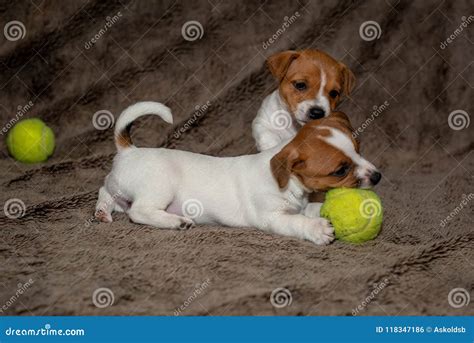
(375, 177)
(316, 113)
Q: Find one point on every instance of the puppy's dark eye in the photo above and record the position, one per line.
(334, 94)
(300, 85)
(341, 172)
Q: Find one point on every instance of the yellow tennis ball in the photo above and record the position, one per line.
(355, 214)
(30, 141)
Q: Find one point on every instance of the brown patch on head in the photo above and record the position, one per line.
(296, 68)
(344, 120)
(318, 165)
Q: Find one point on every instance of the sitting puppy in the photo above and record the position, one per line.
(311, 84)
(268, 190)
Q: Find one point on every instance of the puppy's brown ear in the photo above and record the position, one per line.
(280, 62)
(348, 79)
(284, 163)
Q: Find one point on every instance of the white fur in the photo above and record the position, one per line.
(264, 129)
(174, 189)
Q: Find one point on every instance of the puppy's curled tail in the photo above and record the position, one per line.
(124, 123)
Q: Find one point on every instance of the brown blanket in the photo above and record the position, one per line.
(78, 58)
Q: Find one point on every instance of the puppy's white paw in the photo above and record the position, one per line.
(103, 216)
(321, 232)
(186, 223)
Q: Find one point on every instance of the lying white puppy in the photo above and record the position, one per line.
(173, 189)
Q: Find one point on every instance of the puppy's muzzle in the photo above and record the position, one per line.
(375, 177)
(369, 179)
(316, 113)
